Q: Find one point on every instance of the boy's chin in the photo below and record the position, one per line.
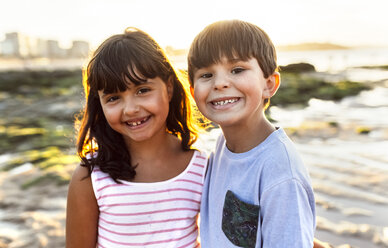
(226, 122)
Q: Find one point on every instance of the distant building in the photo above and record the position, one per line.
(41, 48)
(21, 46)
(15, 45)
(79, 49)
(54, 50)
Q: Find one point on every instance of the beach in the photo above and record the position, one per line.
(343, 144)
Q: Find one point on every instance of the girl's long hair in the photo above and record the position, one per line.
(133, 55)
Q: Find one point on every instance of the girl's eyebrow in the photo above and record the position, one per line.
(104, 94)
(148, 81)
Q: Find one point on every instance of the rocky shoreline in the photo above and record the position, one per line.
(37, 142)
(34, 217)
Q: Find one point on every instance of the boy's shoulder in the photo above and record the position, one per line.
(276, 152)
(276, 143)
(283, 162)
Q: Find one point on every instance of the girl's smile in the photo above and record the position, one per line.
(138, 123)
(140, 112)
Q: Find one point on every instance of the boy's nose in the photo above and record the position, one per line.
(221, 82)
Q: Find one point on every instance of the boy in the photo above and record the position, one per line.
(257, 191)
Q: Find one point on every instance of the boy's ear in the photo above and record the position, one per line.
(272, 85)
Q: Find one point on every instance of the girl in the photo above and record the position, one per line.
(139, 183)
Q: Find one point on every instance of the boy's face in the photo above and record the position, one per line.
(232, 92)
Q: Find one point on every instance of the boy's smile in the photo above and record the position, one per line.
(231, 92)
(222, 102)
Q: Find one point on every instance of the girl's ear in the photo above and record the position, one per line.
(272, 85)
(170, 88)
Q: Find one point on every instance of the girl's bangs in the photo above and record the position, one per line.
(115, 75)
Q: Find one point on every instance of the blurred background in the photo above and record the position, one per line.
(333, 101)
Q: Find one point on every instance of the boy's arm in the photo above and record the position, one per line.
(82, 211)
(288, 218)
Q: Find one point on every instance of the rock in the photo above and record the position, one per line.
(4, 242)
(297, 68)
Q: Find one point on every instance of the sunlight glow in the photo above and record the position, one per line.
(175, 23)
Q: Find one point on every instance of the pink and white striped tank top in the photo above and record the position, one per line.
(160, 214)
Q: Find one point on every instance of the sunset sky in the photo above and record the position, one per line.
(176, 22)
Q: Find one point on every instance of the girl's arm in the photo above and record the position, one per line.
(320, 244)
(82, 211)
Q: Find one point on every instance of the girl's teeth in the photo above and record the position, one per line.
(134, 124)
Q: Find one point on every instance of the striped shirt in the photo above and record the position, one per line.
(160, 214)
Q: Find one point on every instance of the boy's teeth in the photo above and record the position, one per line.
(225, 102)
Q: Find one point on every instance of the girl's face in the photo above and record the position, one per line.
(139, 113)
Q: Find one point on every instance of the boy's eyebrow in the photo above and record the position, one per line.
(235, 60)
(231, 61)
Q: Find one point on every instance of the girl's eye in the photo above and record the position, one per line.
(206, 75)
(142, 91)
(112, 98)
(237, 70)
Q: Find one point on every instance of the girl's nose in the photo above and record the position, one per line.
(131, 107)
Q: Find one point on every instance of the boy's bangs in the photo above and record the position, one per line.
(221, 44)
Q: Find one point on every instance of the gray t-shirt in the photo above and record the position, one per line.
(259, 198)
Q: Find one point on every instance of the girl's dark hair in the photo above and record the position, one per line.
(133, 55)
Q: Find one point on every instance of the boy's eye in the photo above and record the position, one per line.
(206, 75)
(237, 70)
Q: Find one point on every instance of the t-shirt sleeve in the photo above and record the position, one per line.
(287, 217)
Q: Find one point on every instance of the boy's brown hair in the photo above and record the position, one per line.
(231, 39)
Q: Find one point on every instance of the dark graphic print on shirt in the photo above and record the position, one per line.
(240, 220)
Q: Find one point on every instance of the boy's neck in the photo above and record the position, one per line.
(244, 137)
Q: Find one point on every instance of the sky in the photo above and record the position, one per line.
(176, 22)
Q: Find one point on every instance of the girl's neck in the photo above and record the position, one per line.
(152, 148)
(159, 160)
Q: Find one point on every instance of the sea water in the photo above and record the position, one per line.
(336, 60)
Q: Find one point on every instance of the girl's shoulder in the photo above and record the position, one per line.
(200, 156)
(80, 186)
(197, 157)
(80, 173)
(200, 159)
